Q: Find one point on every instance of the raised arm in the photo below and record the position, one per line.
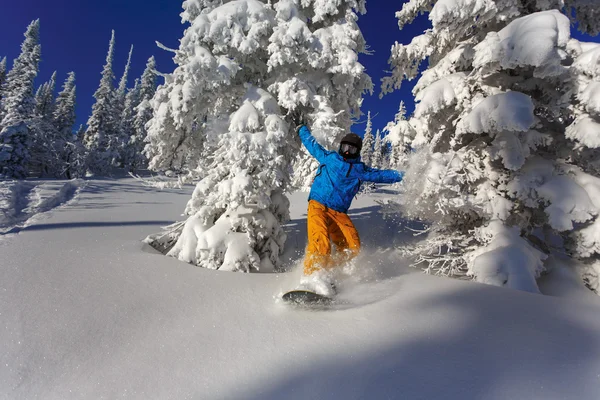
(382, 175)
(311, 144)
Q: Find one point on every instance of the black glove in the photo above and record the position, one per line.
(298, 119)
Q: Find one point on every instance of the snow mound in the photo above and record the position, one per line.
(536, 40)
(511, 111)
(22, 202)
(508, 260)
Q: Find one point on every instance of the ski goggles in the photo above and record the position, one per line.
(349, 149)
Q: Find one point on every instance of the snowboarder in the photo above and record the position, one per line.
(337, 181)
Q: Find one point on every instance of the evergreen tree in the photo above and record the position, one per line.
(64, 111)
(101, 124)
(123, 117)
(377, 161)
(44, 97)
(503, 131)
(68, 150)
(43, 134)
(17, 106)
(143, 114)
(399, 135)
(366, 153)
(127, 130)
(80, 135)
(234, 92)
(2, 76)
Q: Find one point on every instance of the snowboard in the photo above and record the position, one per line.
(306, 298)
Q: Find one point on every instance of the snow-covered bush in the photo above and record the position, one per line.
(504, 165)
(224, 117)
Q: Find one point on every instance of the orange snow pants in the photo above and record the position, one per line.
(325, 226)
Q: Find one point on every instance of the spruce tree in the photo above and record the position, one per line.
(377, 161)
(17, 106)
(400, 133)
(43, 134)
(101, 124)
(123, 117)
(503, 136)
(69, 151)
(143, 114)
(2, 76)
(239, 79)
(366, 153)
(44, 97)
(127, 129)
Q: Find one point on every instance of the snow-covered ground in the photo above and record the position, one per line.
(88, 312)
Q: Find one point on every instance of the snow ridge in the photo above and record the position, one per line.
(23, 202)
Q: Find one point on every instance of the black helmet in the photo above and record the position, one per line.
(350, 146)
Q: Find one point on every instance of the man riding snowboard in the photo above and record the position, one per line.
(337, 181)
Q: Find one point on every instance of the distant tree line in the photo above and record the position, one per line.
(37, 136)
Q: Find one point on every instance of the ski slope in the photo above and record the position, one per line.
(88, 312)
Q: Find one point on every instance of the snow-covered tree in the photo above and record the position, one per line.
(101, 125)
(400, 133)
(242, 66)
(42, 132)
(17, 106)
(64, 111)
(123, 110)
(127, 129)
(503, 185)
(80, 135)
(143, 113)
(44, 97)
(377, 160)
(2, 75)
(366, 153)
(316, 44)
(68, 151)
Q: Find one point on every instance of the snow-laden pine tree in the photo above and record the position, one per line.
(400, 133)
(80, 135)
(124, 102)
(366, 154)
(504, 186)
(17, 106)
(2, 75)
(377, 159)
(584, 242)
(236, 211)
(44, 97)
(68, 150)
(317, 43)
(127, 128)
(242, 66)
(101, 125)
(43, 133)
(143, 114)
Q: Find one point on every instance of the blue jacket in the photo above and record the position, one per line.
(338, 180)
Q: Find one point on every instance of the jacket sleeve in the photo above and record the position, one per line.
(311, 144)
(382, 175)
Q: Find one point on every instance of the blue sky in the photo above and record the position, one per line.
(75, 36)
